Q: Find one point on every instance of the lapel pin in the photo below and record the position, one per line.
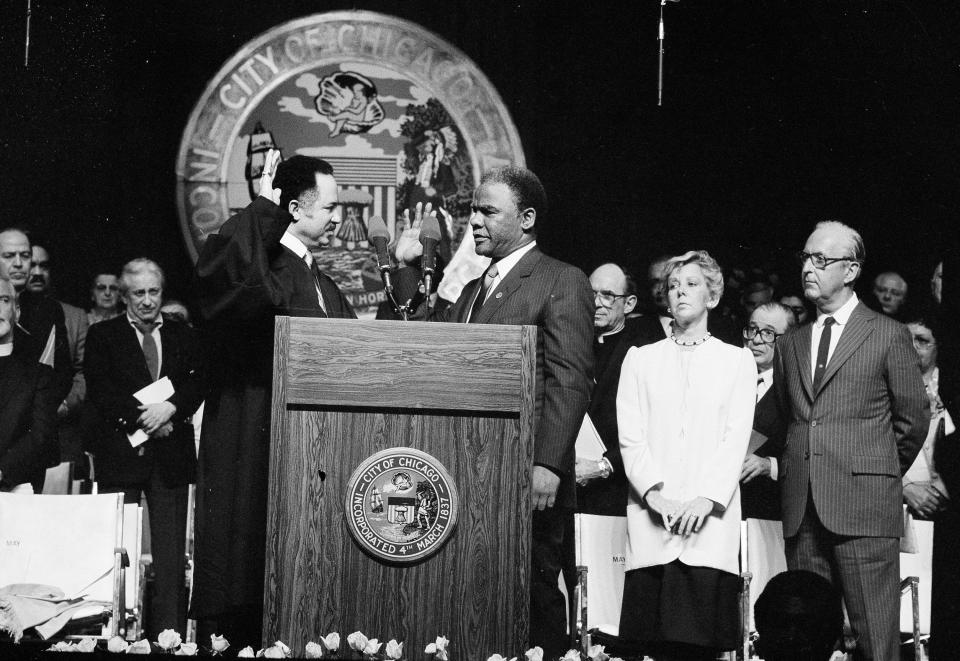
(499, 294)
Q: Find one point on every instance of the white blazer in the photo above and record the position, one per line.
(690, 437)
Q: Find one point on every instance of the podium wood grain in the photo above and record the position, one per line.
(346, 389)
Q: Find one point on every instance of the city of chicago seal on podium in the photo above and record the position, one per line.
(401, 505)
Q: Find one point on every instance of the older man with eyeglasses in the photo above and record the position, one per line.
(851, 396)
(759, 488)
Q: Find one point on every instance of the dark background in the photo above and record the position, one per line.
(775, 115)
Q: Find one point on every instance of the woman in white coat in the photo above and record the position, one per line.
(685, 410)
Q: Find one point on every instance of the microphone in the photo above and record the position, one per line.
(429, 238)
(379, 236)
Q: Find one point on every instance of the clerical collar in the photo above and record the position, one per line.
(296, 246)
(601, 336)
(6, 349)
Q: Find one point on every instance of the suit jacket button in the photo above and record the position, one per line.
(813, 424)
(806, 455)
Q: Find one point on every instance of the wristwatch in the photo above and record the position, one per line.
(604, 466)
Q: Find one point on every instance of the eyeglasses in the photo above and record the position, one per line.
(923, 343)
(106, 287)
(607, 297)
(767, 335)
(820, 260)
(138, 294)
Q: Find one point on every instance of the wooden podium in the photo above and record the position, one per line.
(344, 390)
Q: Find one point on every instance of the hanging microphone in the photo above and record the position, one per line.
(429, 238)
(379, 236)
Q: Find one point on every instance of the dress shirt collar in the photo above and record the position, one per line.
(298, 247)
(508, 262)
(133, 322)
(766, 375)
(6, 349)
(841, 316)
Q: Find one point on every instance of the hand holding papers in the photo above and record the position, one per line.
(157, 392)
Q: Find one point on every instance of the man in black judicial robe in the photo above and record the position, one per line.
(258, 266)
(602, 487)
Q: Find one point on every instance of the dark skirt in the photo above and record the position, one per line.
(677, 603)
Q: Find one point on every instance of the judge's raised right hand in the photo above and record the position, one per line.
(266, 178)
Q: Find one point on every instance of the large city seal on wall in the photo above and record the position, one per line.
(401, 505)
(401, 115)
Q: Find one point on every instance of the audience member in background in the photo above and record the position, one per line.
(105, 294)
(754, 295)
(890, 290)
(602, 486)
(28, 404)
(658, 296)
(936, 282)
(927, 494)
(799, 618)
(124, 355)
(759, 489)
(800, 306)
(75, 320)
(849, 390)
(40, 316)
(684, 409)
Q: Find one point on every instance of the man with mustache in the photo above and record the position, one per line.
(524, 286)
(75, 321)
(851, 394)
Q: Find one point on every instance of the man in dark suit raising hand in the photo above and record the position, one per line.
(849, 389)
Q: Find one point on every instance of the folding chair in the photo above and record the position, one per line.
(600, 546)
(81, 545)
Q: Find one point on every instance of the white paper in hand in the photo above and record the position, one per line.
(159, 391)
(589, 443)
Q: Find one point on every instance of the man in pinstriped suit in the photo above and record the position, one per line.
(850, 391)
(524, 286)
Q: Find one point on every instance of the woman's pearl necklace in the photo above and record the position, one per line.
(691, 343)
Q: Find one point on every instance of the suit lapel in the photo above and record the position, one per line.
(507, 287)
(131, 347)
(858, 329)
(802, 355)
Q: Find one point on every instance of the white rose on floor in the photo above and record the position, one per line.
(394, 649)
(187, 649)
(534, 654)
(245, 653)
(372, 647)
(117, 645)
(571, 655)
(87, 645)
(357, 641)
(168, 640)
(139, 647)
(497, 657)
(596, 653)
(313, 651)
(331, 641)
(439, 648)
(218, 644)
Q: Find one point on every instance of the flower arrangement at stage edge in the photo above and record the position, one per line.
(168, 640)
(186, 649)
(218, 644)
(117, 645)
(313, 651)
(534, 654)
(245, 653)
(439, 649)
(394, 650)
(571, 655)
(498, 657)
(596, 653)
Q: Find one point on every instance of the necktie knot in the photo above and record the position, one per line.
(488, 279)
(829, 321)
(145, 327)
